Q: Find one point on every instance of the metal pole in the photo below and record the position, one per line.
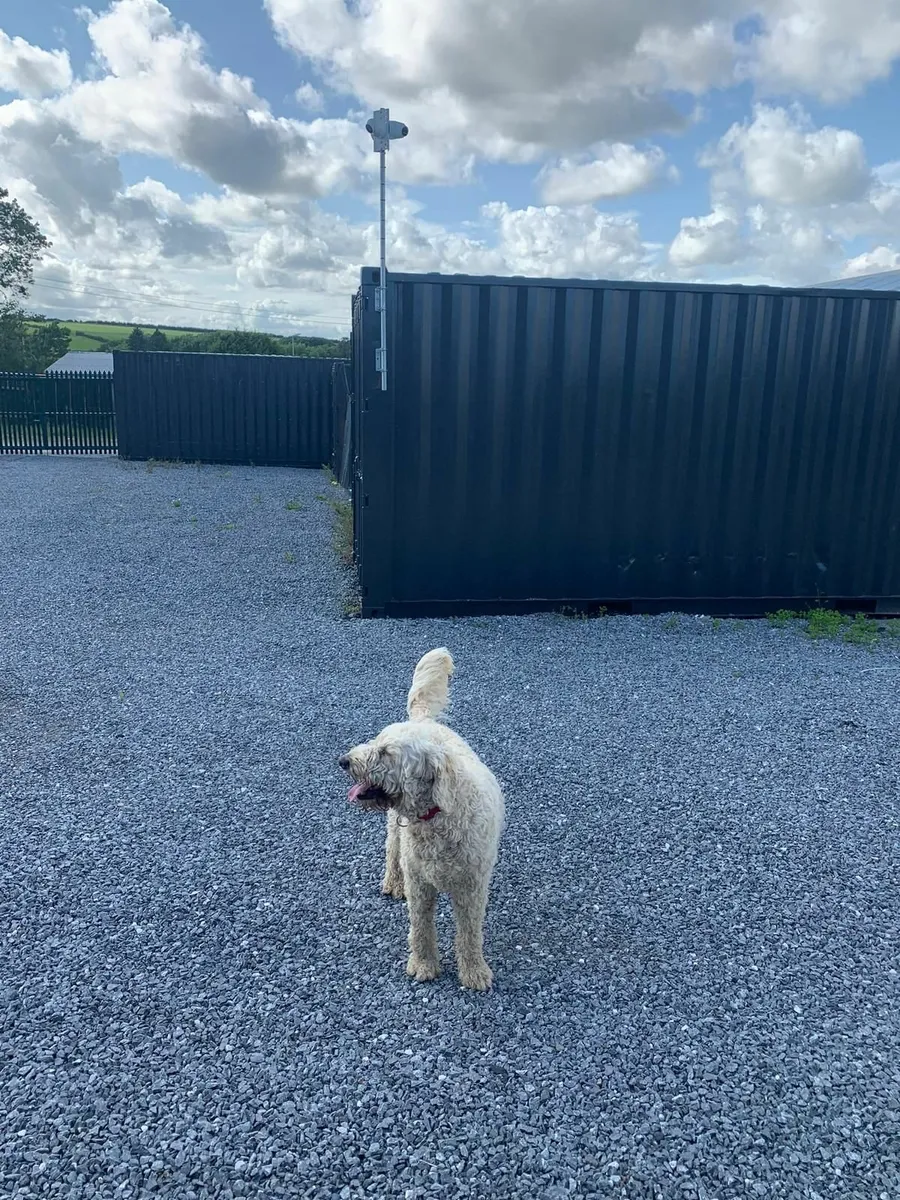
(382, 129)
(383, 280)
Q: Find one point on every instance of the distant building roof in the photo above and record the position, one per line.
(881, 281)
(83, 360)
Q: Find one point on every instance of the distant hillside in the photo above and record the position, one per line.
(111, 335)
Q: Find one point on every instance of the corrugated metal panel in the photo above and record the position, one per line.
(551, 442)
(881, 281)
(270, 410)
(93, 361)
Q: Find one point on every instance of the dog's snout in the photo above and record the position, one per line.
(344, 762)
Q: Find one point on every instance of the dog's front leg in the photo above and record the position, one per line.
(392, 884)
(469, 907)
(421, 899)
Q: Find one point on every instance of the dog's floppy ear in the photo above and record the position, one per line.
(424, 762)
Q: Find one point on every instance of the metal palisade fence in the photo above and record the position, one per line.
(64, 413)
(557, 442)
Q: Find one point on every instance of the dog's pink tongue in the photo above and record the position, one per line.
(355, 792)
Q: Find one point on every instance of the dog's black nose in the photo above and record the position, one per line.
(344, 762)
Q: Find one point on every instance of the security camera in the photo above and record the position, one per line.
(384, 130)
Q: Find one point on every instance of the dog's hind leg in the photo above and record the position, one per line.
(469, 907)
(424, 961)
(392, 884)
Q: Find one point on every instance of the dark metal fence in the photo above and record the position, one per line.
(549, 442)
(65, 413)
(269, 410)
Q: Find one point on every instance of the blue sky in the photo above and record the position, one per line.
(541, 146)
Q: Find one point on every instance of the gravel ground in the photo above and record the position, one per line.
(694, 925)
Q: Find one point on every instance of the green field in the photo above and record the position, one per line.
(87, 335)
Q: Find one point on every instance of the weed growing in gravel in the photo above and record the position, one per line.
(352, 606)
(583, 614)
(290, 556)
(782, 618)
(861, 631)
(294, 505)
(257, 499)
(824, 623)
(671, 623)
(176, 504)
(716, 624)
(343, 528)
(342, 539)
(227, 528)
(193, 520)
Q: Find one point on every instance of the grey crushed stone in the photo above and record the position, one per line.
(694, 925)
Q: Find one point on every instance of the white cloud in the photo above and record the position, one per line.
(880, 258)
(30, 71)
(615, 170)
(830, 49)
(309, 98)
(784, 195)
(564, 242)
(512, 82)
(156, 94)
(712, 239)
(785, 161)
(509, 81)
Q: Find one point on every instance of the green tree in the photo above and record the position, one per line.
(136, 339)
(12, 337)
(157, 340)
(21, 244)
(45, 344)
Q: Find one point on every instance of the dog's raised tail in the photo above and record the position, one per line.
(429, 694)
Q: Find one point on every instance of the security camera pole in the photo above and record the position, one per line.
(383, 131)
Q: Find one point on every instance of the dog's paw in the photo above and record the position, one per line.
(477, 977)
(392, 886)
(422, 970)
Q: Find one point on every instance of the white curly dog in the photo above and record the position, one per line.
(445, 816)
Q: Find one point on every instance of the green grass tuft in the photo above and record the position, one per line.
(343, 528)
(823, 623)
(782, 618)
(861, 631)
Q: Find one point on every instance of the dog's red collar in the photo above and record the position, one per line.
(430, 815)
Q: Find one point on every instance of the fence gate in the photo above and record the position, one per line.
(64, 413)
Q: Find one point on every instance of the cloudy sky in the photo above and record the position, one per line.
(204, 162)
